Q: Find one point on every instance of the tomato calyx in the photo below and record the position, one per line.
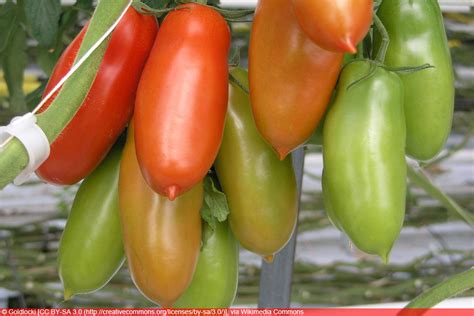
(374, 64)
(169, 5)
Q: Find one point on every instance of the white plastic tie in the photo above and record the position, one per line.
(25, 129)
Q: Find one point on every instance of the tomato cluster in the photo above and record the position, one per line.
(144, 201)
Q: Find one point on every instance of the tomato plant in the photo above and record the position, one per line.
(194, 135)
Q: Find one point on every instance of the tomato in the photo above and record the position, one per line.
(109, 104)
(161, 237)
(327, 204)
(417, 36)
(260, 189)
(215, 280)
(364, 181)
(182, 99)
(335, 25)
(291, 78)
(91, 248)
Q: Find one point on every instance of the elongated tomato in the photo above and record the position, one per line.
(335, 25)
(91, 248)
(182, 99)
(161, 237)
(260, 189)
(109, 104)
(417, 36)
(291, 78)
(364, 181)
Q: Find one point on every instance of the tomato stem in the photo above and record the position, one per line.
(385, 40)
(145, 9)
(360, 50)
(239, 84)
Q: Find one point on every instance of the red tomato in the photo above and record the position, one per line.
(182, 99)
(107, 108)
(335, 25)
(291, 78)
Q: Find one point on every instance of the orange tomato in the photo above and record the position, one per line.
(291, 78)
(335, 25)
(162, 238)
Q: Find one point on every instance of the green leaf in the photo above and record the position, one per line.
(7, 24)
(43, 17)
(215, 207)
(14, 61)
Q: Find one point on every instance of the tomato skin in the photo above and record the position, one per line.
(260, 189)
(109, 104)
(161, 237)
(417, 36)
(335, 25)
(215, 280)
(91, 248)
(179, 121)
(291, 78)
(364, 181)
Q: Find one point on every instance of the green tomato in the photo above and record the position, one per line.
(417, 37)
(91, 248)
(215, 280)
(364, 182)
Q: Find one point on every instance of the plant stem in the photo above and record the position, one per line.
(360, 50)
(420, 179)
(456, 284)
(385, 40)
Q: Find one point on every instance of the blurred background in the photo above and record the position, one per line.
(435, 243)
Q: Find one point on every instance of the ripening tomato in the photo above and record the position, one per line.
(335, 25)
(291, 78)
(161, 237)
(109, 104)
(182, 99)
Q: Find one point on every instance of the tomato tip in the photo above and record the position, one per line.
(349, 46)
(68, 294)
(269, 258)
(282, 153)
(172, 192)
(385, 257)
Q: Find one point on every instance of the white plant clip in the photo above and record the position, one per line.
(25, 129)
